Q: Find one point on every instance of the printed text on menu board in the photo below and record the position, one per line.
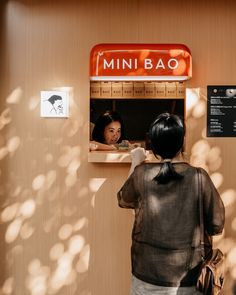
(221, 111)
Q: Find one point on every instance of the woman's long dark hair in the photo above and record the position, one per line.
(167, 138)
(104, 120)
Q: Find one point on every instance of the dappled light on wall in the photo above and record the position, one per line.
(229, 199)
(5, 118)
(11, 146)
(96, 183)
(207, 154)
(42, 199)
(82, 264)
(38, 182)
(195, 102)
(16, 214)
(76, 244)
(214, 159)
(72, 251)
(192, 99)
(3, 152)
(7, 287)
(45, 210)
(33, 103)
(9, 212)
(65, 231)
(76, 253)
(26, 231)
(16, 228)
(70, 159)
(44, 182)
(13, 230)
(27, 209)
(56, 251)
(15, 96)
(76, 120)
(202, 154)
(69, 155)
(217, 179)
(81, 223)
(36, 281)
(231, 261)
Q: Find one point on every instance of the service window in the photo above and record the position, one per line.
(135, 82)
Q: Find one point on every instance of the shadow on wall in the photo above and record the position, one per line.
(48, 241)
(208, 153)
(45, 246)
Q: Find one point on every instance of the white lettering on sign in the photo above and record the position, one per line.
(132, 64)
(121, 63)
(160, 64)
(108, 65)
(175, 63)
(128, 64)
(148, 64)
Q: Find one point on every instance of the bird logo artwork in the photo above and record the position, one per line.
(56, 102)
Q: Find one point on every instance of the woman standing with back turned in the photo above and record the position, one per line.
(165, 249)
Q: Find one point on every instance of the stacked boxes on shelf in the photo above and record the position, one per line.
(105, 89)
(136, 89)
(128, 89)
(149, 89)
(116, 89)
(95, 89)
(160, 89)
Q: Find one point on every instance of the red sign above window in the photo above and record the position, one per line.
(162, 62)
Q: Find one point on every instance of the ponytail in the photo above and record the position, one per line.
(166, 173)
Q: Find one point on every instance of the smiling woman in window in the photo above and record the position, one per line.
(107, 132)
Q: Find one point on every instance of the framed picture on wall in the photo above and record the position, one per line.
(54, 104)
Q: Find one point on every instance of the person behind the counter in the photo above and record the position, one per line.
(108, 131)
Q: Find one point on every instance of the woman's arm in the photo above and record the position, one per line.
(138, 155)
(128, 195)
(97, 146)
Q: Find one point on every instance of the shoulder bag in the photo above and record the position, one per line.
(211, 276)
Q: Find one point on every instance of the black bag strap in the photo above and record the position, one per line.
(201, 215)
(195, 239)
(205, 239)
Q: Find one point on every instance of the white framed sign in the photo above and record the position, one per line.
(54, 104)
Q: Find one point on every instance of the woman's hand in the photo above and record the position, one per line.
(138, 155)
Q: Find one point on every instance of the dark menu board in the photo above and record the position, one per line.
(221, 111)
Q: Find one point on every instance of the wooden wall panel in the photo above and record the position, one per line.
(61, 230)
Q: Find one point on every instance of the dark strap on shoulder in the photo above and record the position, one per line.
(201, 216)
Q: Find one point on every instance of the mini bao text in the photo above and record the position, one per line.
(134, 64)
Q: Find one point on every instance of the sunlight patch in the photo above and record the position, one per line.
(13, 230)
(96, 183)
(192, 98)
(15, 96)
(65, 231)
